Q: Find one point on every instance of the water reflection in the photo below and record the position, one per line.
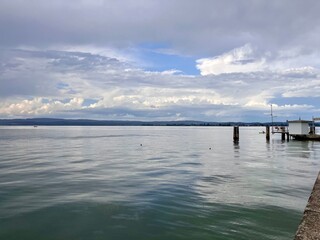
(101, 183)
(299, 148)
(257, 169)
(236, 148)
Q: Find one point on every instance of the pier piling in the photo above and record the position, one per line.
(283, 133)
(236, 134)
(312, 130)
(268, 133)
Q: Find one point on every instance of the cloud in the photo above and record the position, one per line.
(247, 59)
(39, 106)
(77, 84)
(238, 60)
(301, 72)
(136, 59)
(207, 28)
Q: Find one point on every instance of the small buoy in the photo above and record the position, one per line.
(140, 144)
(209, 148)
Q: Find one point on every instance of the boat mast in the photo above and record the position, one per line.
(271, 119)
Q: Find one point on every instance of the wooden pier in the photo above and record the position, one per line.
(281, 130)
(284, 131)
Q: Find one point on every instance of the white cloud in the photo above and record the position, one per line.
(155, 97)
(39, 106)
(240, 60)
(310, 88)
(300, 72)
(123, 55)
(99, 63)
(171, 72)
(246, 59)
(93, 86)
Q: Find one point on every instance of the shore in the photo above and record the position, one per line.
(309, 227)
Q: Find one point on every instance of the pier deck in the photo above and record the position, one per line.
(305, 137)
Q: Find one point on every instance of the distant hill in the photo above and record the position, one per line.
(88, 122)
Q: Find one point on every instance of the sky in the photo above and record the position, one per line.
(156, 60)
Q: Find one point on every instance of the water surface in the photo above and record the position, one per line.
(152, 183)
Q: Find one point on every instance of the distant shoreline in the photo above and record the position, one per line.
(88, 122)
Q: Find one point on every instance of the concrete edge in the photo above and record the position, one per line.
(309, 227)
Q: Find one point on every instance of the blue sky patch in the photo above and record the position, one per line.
(159, 57)
(87, 102)
(297, 100)
(62, 85)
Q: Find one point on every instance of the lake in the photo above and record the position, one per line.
(152, 183)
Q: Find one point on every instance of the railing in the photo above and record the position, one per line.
(279, 129)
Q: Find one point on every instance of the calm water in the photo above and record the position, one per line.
(101, 183)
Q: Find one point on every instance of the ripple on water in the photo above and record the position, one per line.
(99, 183)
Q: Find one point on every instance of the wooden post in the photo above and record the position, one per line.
(268, 133)
(283, 133)
(283, 136)
(236, 134)
(312, 130)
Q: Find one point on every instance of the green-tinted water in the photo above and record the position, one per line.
(151, 183)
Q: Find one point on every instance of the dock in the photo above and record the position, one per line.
(309, 227)
(298, 130)
(306, 137)
(303, 130)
